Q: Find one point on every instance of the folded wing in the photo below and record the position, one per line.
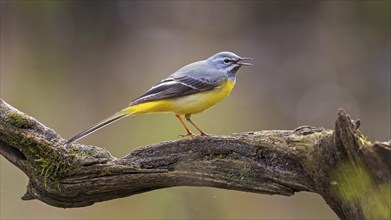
(174, 87)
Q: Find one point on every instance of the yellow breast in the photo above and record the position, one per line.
(196, 103)
(191, 104)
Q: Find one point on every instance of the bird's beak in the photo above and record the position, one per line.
(244, 64)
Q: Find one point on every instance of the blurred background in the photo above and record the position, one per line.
(70, 64)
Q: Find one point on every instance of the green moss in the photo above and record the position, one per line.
(52, 168)
(232, 157)
(363, 140)
(306, 141)
(19, 120)
(52, 165)
(245, 173)
(87, 152)
(105, 172)
(220, 157)
(77, 155)
(49, 163)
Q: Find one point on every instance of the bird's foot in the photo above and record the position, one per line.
(191, 135)
(202, 134)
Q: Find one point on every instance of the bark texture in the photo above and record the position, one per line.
(269, 162)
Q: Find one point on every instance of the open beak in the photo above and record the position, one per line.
(244, 59)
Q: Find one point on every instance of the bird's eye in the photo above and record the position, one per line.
(226, 60)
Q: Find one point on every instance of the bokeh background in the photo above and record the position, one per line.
(71, 63)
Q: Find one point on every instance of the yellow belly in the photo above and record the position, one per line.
(191, 104)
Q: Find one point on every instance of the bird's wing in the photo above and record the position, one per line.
(176, 86)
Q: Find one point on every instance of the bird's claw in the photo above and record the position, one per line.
(191, 135)
(187, 135)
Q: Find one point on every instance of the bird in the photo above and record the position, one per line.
(190, 90)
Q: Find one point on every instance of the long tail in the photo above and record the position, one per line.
(117, 116)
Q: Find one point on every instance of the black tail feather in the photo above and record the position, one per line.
(96, 127)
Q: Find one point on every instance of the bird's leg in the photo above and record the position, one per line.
(189, 120)
(187, 129)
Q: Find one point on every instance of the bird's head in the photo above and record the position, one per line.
(229, 62)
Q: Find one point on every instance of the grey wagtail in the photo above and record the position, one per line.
(190, 90)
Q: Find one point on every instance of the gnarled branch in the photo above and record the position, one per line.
(268, 162)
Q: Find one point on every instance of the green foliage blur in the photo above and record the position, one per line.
(72, 63)
(354, 184)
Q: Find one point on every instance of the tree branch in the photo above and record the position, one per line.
(268, 162)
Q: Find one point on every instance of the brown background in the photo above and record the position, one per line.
(72, 63)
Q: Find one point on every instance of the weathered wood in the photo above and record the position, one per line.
(268, 162)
